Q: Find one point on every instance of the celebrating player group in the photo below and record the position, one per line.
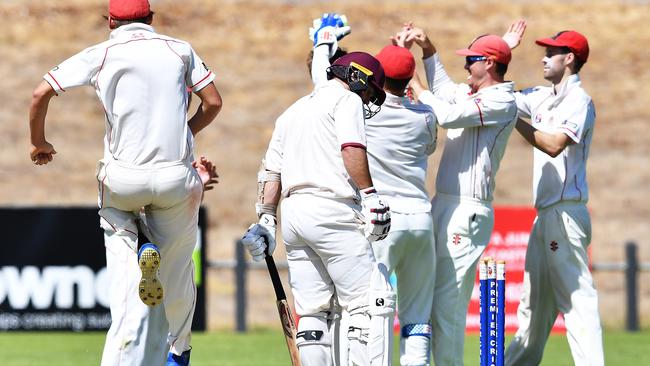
(346, 168)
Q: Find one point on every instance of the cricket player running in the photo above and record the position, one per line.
(148, 325)
(141, 79)
(479, 118)
(400, 139)
(317, 162)
(557, 276)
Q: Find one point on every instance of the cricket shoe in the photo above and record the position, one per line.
(150, 288)
(182, 360)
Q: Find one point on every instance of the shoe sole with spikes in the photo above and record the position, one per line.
(150, 288)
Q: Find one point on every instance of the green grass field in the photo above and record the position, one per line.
(264, 347)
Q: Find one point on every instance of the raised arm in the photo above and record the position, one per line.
(515, 33)
(325, 33)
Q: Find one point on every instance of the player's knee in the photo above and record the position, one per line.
(313, 329)
(416, 339)
(371, 319)
(314, 340)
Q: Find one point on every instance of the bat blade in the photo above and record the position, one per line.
(289, 330)
(286, 316)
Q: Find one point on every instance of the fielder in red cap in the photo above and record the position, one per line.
(562, 120)
(400, 140)
(141, 78)
(479, 117)
(129, 9)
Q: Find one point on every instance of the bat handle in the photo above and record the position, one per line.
(273, 272)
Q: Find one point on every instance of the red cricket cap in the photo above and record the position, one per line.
(489, 46)
(398, 62)
(575, 41)
(128, 9)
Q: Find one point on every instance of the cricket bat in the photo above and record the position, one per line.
(286, 317)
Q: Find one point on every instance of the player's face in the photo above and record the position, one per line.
(554, 64)
(367, 95)
(475, 65)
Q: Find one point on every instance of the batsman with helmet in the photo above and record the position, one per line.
(316, 161)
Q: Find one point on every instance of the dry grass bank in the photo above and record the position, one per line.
(257, 50)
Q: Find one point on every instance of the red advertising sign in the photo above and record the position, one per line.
(508, 243)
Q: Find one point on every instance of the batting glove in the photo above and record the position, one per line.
(376, 214)
(260, 238)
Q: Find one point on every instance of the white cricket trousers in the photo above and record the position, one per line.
(409, 252)
(171, 195)
(462, 232)
(328, 256)
(557, 279)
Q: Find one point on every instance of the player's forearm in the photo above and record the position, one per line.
(428, 49)
(272, 191)
(437, 76)
(319, 64)
(211, 103)
(548, 143)
(356, 164)
(37, 112)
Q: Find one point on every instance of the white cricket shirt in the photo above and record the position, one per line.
(400, 139)
(571, 112)
(141, 78)
(308, 138)
(478, 126)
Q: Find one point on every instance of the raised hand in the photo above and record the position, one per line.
(515, 33)
(339, 24)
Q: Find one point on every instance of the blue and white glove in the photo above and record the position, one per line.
(261, 236)
(376, 214)
(339, 22)
(329, 29)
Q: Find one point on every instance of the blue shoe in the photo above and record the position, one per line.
(182, 360)
(150, 289)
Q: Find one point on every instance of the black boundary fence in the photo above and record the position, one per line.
(631, 267)
(52, 270)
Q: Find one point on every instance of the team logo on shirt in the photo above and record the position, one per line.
(538, 118)
(456, 239)
(554, 246)
(55, 68)
(570, 124)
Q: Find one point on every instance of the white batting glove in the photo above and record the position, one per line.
(260, 237)
(376, 213)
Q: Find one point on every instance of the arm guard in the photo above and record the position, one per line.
(264, 176)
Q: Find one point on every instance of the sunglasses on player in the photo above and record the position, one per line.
(469, 60)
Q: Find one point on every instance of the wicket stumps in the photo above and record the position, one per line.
(492, 286)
